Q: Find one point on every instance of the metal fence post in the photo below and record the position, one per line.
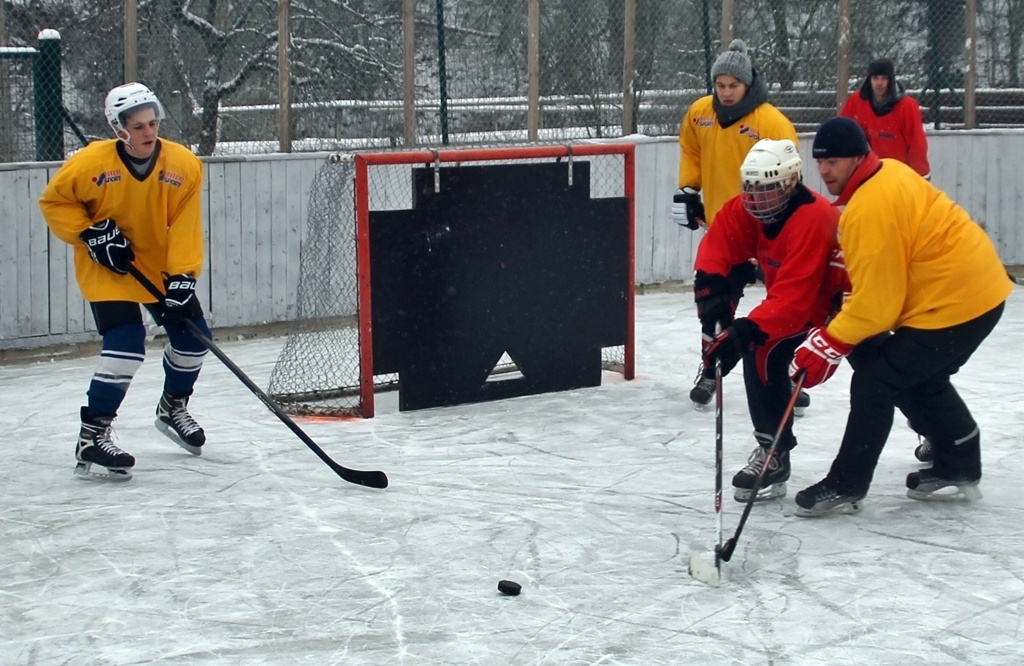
(131, 41)
(284, 77)
(971, 60)
(409, 71)
(533, 69)
(705, 29)
(845, 29)
(629, 68)
(728, 16)
(49, 106)
(6, 126)
(442, 72)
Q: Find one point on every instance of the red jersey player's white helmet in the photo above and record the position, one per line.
(125, 98)
(768, 175)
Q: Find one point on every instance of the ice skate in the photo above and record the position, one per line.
(824, 499)
(703, 390)
(173, 420)
(924, 484)
(924, 452)
(803, 401)
(774, 483)
(96, 447)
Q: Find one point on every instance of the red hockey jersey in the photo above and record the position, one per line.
(802, 265)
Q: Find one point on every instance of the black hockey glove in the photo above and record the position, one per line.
(108, 247)
(180, 299)
(743, 273)
(730, 345)
(687, 208)
(713, 296)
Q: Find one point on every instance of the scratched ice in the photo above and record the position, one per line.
(593, 500)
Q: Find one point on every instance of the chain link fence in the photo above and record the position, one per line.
(405, 73)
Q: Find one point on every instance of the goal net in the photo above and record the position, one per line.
(350, 300)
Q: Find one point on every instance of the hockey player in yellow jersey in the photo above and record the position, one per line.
(133, 200)
(927, 289)
(715, 136)
(718, 131)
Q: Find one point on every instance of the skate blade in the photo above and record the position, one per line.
(799, 411)
(698, 407)
(774, 491)
(168, 432)
(703, 571)
(83, 470)
(844, 509)
(951, 492)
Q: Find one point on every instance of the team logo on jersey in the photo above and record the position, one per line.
(704, 121)
(747, 130)
(171, 178)
(112, 176)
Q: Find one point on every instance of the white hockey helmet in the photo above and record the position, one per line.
(768, 176)
(125, 98)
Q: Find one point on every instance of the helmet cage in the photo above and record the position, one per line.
(768, 176)
(767, 201)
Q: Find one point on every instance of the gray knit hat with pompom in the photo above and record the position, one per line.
(734, 62)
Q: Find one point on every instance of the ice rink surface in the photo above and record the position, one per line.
(593, 500)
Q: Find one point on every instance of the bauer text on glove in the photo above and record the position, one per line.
(180, 299)
(108, 247)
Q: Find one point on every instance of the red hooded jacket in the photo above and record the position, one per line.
(895, 129)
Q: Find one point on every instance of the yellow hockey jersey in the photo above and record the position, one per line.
(711, 155)
(158, 212)
(915, 257)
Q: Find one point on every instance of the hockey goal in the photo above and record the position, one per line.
(359, 203)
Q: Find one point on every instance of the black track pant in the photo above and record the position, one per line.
(909, 369)
(767, 402)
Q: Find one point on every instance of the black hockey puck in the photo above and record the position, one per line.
(509, 587)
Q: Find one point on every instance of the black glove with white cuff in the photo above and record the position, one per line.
(688, 209)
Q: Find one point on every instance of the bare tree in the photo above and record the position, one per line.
(780, 45)
(235, 48)
(346, 50)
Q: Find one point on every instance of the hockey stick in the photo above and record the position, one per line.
(698, 568)
(372, 479)
(719, 448)
(725, 552)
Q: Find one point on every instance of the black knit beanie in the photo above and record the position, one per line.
(839, 137)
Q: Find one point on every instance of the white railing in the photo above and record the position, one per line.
(255, 215)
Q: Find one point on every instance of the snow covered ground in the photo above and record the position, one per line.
(593, 500)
